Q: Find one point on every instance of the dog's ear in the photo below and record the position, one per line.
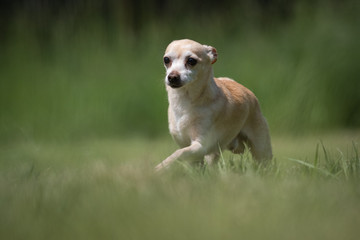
(211, 52)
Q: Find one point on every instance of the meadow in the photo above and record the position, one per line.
(83, 122)
(108, 189)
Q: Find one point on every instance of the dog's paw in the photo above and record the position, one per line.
(160, 167)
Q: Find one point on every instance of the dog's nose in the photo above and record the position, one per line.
(174, 80)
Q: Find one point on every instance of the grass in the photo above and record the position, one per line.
(84, 80)
(107, 189)
(77, 87)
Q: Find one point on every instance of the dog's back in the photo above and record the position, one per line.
(244, 113)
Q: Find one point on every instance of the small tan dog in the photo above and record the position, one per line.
(207, 114)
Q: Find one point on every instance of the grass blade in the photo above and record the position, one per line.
(316, 160)
(325, 152)
(306, 164)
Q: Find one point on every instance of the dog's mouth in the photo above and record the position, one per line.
(175, 85)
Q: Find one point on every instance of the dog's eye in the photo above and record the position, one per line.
(166, 60)
(191, 61)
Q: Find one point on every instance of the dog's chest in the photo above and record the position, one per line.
(180, 125)
(183, 119)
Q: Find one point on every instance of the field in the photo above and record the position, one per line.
(83, 120)
(107, 189)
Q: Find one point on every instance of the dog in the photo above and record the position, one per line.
(207, 114)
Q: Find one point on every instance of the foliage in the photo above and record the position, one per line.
(82, 73)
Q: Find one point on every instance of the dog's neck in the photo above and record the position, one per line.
(196, 93)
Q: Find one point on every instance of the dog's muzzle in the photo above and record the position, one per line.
(174, 80)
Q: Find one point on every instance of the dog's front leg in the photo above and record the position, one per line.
(195, 150)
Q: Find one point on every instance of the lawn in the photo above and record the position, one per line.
(107, 189)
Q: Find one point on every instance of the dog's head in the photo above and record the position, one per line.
(187, 61)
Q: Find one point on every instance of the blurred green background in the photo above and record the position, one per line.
(89, 69)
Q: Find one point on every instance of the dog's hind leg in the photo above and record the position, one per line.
(259, 140)
(237, 145)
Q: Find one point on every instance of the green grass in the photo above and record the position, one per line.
(77, 87)
(86, 80)
(107, 189)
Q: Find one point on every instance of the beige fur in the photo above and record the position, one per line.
(206, 113)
